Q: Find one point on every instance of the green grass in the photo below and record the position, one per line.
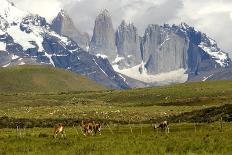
(188, 102)
(207, 139)
(43, 79)
(139, 105)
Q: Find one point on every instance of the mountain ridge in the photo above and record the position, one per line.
(28, 39)
(165, 54)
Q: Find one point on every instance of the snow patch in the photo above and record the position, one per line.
(14, 57)
(118, 59)
(10, 12)
(87, 48)
(2, 32)
(164, 42)
(102, 56)
(22, 63)
(49, 56)
(2, 46)
(206, 78)
(124, 79)
(100, 67)
(139, 73)
(219, 56)
(6, 65)
(25, 39)
(63, 40)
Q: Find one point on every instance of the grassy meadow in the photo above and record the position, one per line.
(196, 112)
(205, 139)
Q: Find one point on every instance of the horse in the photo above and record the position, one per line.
(163, 125)
(58, 129)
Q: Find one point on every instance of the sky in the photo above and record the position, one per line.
(213, 17)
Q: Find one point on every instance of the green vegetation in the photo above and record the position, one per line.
(139, 105)
(130, 113)
(183, 139)
(43, 79)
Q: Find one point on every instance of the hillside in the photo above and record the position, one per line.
(138, 105)
(187, 94)
(43, 79)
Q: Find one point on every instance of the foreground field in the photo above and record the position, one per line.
(205, 139)
(195, 111)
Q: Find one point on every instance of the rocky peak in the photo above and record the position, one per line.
(205, 43)
(184, 26)
(160, 45)
(104, 14)
(103, 40)
(62, 13)
(128, 44)
(64, 25)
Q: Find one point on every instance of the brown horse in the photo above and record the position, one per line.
(163, 125)
(90, 127)
(97, 128)
(58, 129)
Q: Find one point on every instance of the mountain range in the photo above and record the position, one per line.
(27, 38)
(117, 58)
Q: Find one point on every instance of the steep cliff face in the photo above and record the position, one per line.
(163, 51)
(203, 52)
(103, 40)
(64, 25)
(128, 45)
(164, 54)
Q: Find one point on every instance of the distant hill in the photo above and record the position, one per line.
(38, 78)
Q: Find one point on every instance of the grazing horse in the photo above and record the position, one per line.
(90, 127)
(58, 128)
(97, 128)
(163, 125)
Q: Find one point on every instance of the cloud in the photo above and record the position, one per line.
(140, 12)
(211, 17)
(45, 8)
(214, 17)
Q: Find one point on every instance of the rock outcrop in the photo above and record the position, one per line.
(163, 51)
(128, 45)
(64, 25)
(103, 40)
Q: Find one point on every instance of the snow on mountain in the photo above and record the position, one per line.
(2, 46)
(26, 38)
(101, 56)
(139, 73)
(10, 13)
(208, 45)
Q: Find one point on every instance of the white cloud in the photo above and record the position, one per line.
(45, 8)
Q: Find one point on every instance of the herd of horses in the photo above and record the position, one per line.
(90, 128)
